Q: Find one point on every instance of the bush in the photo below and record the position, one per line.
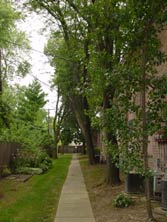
(6, 171)
(122, 201)
(31, 159)
(44, 159)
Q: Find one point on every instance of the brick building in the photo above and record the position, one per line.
(157, 147)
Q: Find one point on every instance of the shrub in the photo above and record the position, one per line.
(6, 171)
(43, 167)
(31, 159)
(122, 201)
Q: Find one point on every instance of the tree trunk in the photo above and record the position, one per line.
(89, 143)
(56, 128)
(145, 136)
(112, 171)
(85, 125)
(86, 131)
(54, 154)
(84, 148)
(62, 149)
(112, 177)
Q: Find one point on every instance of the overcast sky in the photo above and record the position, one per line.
(33, 26)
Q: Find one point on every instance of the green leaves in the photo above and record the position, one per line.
(23, 68)
(32, 101)
(7, 22)
(122, 201)
(22, 118)
(107, 53)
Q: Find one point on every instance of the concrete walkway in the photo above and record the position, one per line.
(74, 204)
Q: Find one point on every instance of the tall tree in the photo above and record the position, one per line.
(60, 113)
(105, 53)
(114, 44)
(31, 103)
(138, 77)
(76, 70)
(9, 36)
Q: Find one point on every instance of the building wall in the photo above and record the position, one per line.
(157, 151)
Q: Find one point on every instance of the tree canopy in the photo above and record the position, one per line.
(109, 52)
(106, 55)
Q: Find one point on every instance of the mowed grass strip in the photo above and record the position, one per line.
(94, 174)
(35, 200)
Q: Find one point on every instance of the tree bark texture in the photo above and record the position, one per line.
(84, 148)
(55, 155)
(112, 171)
(85, 124)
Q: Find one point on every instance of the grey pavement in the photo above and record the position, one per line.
(74, 204)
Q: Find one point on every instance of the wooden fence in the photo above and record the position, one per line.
(7, 151)
(70, 149)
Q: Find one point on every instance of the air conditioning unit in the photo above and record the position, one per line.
(134, 183)
(157, 190)
(164, 193)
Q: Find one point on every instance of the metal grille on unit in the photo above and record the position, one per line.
(157, 184)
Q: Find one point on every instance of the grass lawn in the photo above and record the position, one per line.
(35, 200)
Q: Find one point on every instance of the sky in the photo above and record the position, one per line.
(33, 25)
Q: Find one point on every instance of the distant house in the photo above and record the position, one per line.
(71, 148)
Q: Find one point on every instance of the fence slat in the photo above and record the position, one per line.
(7, 150)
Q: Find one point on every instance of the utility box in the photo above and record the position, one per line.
(157, 189)
(164, 192)
(134, 183)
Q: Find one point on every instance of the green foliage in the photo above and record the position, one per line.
(122, 201)
(6, 172)
(26, 159)
(5, 112)
(12, 43)
(70, 131)
(7, 22)
(15, 56)
(28, 135)
(23, 68)
(23, 118)
(103, 54)
(31, 101)
(47, 141)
